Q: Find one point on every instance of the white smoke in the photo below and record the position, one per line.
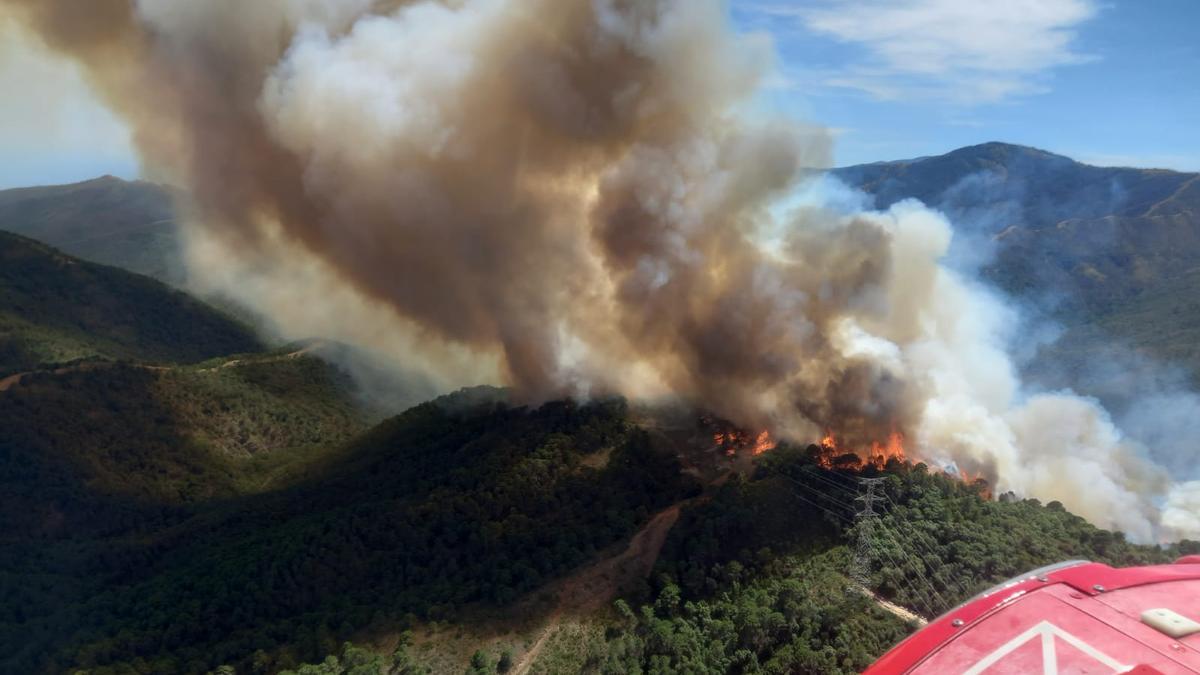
(576, 196)
(949, 336)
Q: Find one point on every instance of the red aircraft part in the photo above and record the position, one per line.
(1072, 618)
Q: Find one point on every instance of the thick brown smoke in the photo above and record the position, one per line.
(511, 176)
(580, 192)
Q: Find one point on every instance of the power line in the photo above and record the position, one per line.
(875, 537)
(862, 580)
(868, 527)
(824, 495)
(838, 486)
(916, 540)
(865, 522)
(900, 519)
(822, 508)
(918, 568)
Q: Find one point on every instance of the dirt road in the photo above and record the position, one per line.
(896, 610)
(593, 587)
(14, 380)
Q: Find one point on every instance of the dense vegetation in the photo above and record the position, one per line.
(55, 309)
(132, 540)
(240, 514)
(755, 579)
(431, 511)
(73, 442)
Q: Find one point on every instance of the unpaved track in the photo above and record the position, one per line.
(597, 585)
(593, 587)
(896, 610)
(14, 380)
(11, 380)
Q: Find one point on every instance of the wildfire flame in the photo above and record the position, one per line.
(831, 453)
(763, 443)
(732, 441)
(835, 455)
(877, 454)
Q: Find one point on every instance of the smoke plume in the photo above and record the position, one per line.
(577, 196)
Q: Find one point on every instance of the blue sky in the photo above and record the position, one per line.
(1104, 81)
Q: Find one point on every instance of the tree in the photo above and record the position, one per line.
(480, 664)
(506, 661)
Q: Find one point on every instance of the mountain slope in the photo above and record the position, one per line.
(754, 578)
(76, 442)
(107, 220)
(101, 414)
(453, 518)
(1046, 188)
(448, 505)
(55, 309)
(1102, 245)
(170, 514)
(1092, 235)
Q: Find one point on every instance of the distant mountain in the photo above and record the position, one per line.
(126, 224)
(1047, 187)
(1117, 247)
(55, 308)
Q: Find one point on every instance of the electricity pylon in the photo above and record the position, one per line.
(865, 521)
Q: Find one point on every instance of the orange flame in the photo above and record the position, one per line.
(763, 443)
(977, 481)
(829, 442)
(877, 454)
(732, 441)
(881, 454)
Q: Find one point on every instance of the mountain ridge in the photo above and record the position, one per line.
(108, 220)
(1085, 245)
(55, 308)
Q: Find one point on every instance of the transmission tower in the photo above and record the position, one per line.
(865, 521)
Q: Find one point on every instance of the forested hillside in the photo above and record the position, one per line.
(755, 579)
(440, 520)
(449, 505)
(56, 309)
(165, 512)
(172, 435)
(175, 497)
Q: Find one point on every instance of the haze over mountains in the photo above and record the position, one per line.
(1085, 237)
(1110, 256)
(127, 224)
(177, 496)
(1111, 252)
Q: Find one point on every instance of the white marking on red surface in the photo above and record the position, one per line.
(1047, 632)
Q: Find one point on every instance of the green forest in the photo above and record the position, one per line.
(178, 497)
(442, 507)
(755, 580)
